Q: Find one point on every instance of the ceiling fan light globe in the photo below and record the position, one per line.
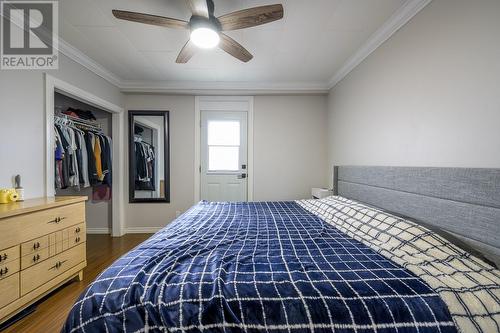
(205, 38)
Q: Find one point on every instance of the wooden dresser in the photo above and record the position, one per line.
(42, 246)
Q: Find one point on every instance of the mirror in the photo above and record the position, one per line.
(149, 169)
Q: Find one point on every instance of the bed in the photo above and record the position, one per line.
(342, 264)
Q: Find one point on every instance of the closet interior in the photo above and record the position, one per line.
(83, 157)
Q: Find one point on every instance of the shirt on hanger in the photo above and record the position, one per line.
(97, 156)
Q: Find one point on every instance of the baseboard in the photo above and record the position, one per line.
(131, 230)
(98, 231)
(142, 230)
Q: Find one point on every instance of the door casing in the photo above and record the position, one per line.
(226, 104)
(53, 85)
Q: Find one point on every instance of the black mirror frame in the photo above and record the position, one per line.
(131, 159)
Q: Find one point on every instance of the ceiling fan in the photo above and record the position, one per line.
(207, 31)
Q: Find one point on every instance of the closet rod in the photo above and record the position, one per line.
(78, 121)
(138, 138)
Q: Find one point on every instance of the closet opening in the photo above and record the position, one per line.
(67, 105)
(83, 158)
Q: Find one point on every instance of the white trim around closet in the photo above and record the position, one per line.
(226, 103)
(53, 85)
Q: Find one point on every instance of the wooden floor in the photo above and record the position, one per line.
(51, 312)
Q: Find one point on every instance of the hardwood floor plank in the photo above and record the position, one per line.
(51, 313)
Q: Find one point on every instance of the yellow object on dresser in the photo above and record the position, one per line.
(8, 195)
(42, 246)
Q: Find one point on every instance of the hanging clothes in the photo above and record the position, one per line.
(74, 178)
(92, 170)
(59, 156)
(105, 161)
(144, 165)
(65, 160)
(108, 178)
(97, 156)
(101, 193)
(82, 158)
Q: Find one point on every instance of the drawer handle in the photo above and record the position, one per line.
(77, 230)
(57, 265)
(4, 271)
(57, 220)
(36, 245)
(77, 239)
(36, 258)
(3, 257)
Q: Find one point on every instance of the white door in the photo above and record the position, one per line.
(223, 156)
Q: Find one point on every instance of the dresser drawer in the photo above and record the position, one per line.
(9, 254)
(47, 221)
(8, 268)
(76, 230)
(10, 234)
(9, 289)
(34, 258)
(39, 274)
(77, 237)
(77, 240)
(34, 245)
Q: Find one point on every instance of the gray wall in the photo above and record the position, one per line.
(430, 96)
(22, 120)
(289, 151)
(181, 119)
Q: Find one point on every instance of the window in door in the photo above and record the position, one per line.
(223, 145)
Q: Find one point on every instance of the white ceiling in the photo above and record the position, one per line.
(310, 45)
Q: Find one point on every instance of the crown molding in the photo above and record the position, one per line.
(402, 16)
(190, 87)
(78, 56)
(226, 88)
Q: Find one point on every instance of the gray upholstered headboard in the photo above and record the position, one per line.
(463, 202)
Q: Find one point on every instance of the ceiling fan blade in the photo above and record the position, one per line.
(234, 48)
(251, 17)
(151, 19)
(186, 53)
(199, 7)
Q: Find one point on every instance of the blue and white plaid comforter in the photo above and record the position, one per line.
(266, 267)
